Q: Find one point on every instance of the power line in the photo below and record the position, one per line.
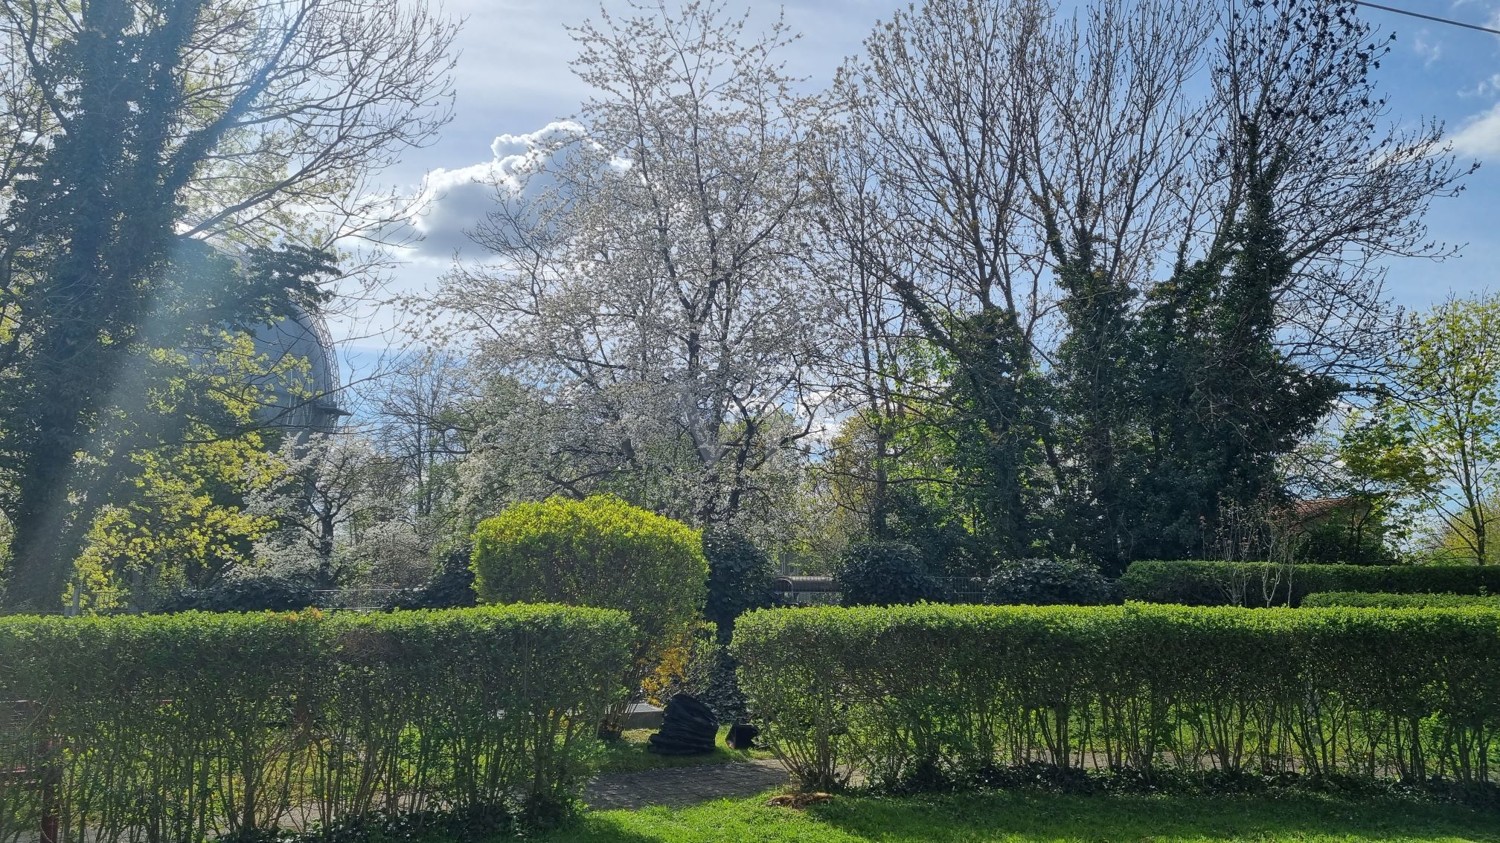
(1428, 17)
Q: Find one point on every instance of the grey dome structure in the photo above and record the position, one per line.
(301, 394)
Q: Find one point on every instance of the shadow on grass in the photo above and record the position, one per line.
(629, 754)
(1027, 817)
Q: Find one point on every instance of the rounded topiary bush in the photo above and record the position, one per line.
(1048, 582)
(885, 574)
(599, 551)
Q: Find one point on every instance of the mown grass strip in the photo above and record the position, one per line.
(1026, 817)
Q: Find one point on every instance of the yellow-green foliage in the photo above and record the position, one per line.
(183, 520)
(179, 517)
(929, 691)
(599, 551)
(187, 724)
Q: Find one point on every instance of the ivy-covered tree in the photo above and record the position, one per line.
(1273, 315)
(739, 579)
(929, 200)
(1211, 256)
(149, 125)
(1225, 402)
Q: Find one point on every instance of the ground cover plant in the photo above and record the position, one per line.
(1021, 817)
(927, 696)
(1212, 583)
(185, 727)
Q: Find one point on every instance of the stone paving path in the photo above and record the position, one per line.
(679, 786)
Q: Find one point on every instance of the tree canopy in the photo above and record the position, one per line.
(139, 129)
(1017, 284)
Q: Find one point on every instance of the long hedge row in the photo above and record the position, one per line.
(1377, 600)
(187, 727)
(914, 692)
(1259, 584)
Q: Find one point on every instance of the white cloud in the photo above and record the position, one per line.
(1484, 88)
(453, 202)
(1479, 136)
(1427, 48)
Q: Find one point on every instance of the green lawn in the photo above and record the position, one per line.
(988, 818)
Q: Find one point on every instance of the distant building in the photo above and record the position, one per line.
(1342, 529)
(1308, 515)
(304, 400)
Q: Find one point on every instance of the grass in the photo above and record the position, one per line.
(1032, 817)
(629, 755)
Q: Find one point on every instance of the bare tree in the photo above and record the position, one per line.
(1294, 98)
(998, 141)
(937, 109)
(1054, 202)
(418, 421)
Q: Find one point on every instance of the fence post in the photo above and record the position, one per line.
(51, 779)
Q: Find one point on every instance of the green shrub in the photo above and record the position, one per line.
(739, 578)
(599, 551)
(1048, 582)
(193, 723)
(1200, 583)
(884, 574)
(251, 593)
(1377, 600)
(920, 696)
(702, 667)
(451, 585)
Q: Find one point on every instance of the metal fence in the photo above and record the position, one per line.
(357, 599)
(818, 591)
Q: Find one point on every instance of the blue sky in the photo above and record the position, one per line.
(1451, 74)
(513, 80)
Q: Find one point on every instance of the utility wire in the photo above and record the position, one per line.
(1428, 17)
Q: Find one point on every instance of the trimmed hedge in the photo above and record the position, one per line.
(921, 696)
(188, 726)
(1257, 584)
(1359, 599)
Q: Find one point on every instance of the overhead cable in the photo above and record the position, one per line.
(1433, 18)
